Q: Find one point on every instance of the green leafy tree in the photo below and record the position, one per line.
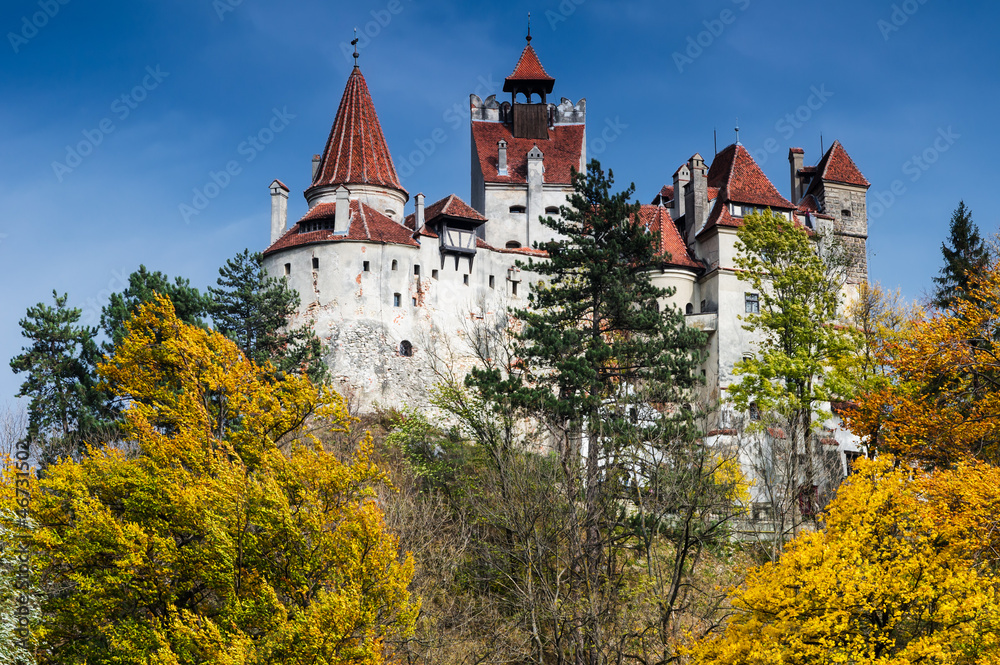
(966, 258)
(65, 404)
(253, 310)
(191, 305)
(801, 352)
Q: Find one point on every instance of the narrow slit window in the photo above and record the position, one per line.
(315, 263)
(365, 266)
(493, 282)
(416, 270)
(288, 269)
(465, 279)
(395, 265)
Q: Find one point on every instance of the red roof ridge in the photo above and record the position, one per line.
(356, 151)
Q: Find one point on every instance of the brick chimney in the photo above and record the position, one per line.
(502, 157)
(795, 157)
(536, 178)
(682, 176)
(695, 197)
(279, 209)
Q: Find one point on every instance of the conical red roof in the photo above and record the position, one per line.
(735, 171)
(528, 70)
(837, 166)
(356, 152)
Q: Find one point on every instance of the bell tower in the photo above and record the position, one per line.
(529, 118)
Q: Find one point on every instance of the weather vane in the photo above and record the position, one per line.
(354, 43)
(529, 27)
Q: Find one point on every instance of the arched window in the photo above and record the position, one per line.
(513, 244)
(689, 308)
(518, 210)
(394, 264)
(552, 210)
(405, 348)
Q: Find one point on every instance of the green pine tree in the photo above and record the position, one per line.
(189, 303)
(966, 258)
(253, 310)
(66, 410)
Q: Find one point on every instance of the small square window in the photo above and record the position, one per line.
(288, 269)
(397, 300)
(416, 269)
(315, 263)
(434, 274)
(465, 279)
(752, 303)
(493, 282)
(365, 266)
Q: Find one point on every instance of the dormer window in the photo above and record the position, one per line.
(518, 210)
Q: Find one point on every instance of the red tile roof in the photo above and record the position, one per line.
(451, 206)
(837, 166)
(528, 68)
(736, 172)
(720, 217)
(367, 224)
(356, 152)
(562, 151)
(657, 219)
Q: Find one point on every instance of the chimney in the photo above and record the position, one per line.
(279, 209)
(502, 158)
(342, 213)
(681, 177)
(316, 159)
(696, 197)
(536, 178)
(795, 157)
(418, 217)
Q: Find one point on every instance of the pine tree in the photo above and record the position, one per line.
(66, 406)
(190, 304)
(253, 310)
(966, 258)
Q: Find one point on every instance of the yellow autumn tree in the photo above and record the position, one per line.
(905, 571)
(219, 531)
(941, 398)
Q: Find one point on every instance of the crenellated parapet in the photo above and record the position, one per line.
(563, 113)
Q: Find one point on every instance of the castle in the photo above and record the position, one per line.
(392, 294)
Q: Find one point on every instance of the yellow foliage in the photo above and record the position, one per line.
(904, 572)
(221, 532)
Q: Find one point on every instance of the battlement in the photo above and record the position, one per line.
(563, 113)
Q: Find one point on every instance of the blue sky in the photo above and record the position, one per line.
(115, 114)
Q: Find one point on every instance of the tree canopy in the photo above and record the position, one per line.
(964, 259)
(224, 532)
(905, 571)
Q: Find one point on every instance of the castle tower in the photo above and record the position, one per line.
(837, 190)
(523, 152)
(357, 157)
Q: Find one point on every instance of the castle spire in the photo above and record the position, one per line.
(356, 151)
(354, 43)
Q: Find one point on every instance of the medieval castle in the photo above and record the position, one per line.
(391, 294)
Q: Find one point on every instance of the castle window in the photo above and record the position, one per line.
(845, 213)
(513, 244)
(288, 269)
(465, 279)
(394, 264)
(405, 348)
(416, 270)
(492, 282)
(518, 210)
(752, 303)
(413, 301)
(704, 306)
(315, 263)
(365, 266)
(689, 308)
(434, 273)
(513, 288)
(552, 210)
(397, 300)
